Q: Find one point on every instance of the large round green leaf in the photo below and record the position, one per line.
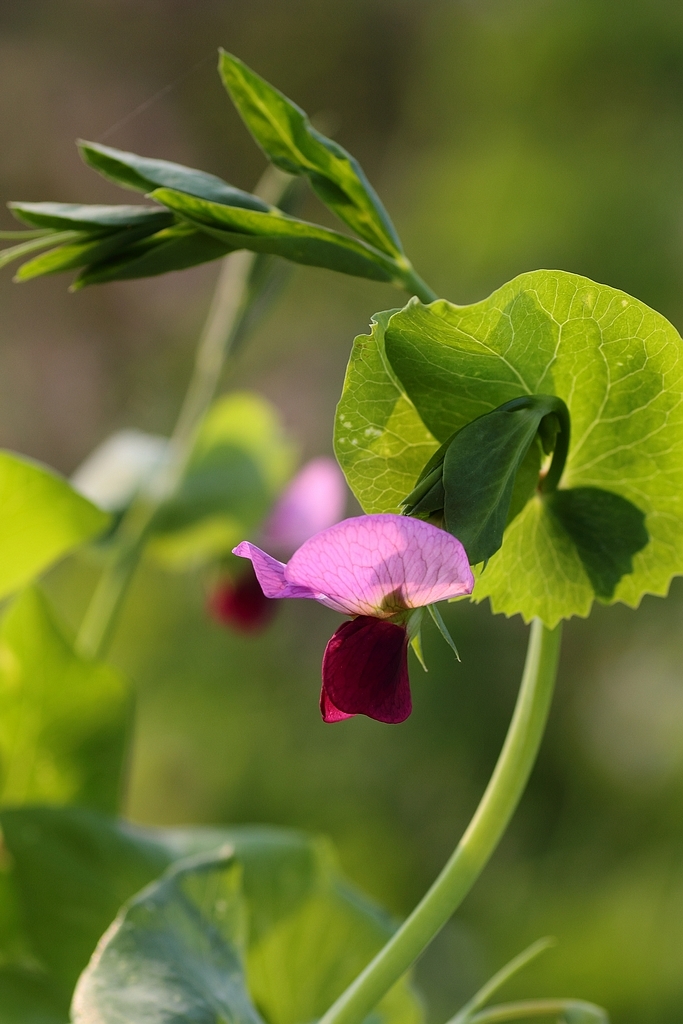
(616, 363)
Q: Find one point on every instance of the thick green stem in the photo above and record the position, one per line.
(529, 1008)
(477, 844)
(414, 284)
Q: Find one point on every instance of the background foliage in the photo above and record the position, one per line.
(503, 137)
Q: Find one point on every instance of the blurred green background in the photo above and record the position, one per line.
(504, 137)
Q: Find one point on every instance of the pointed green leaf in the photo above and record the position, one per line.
(15, 252)
(286, 136)
(41, 519)
(80, 254)
(174, 248)
(62, 718)
(442, 628)
(617, 365)
(240, 462)
(142, 174)
(174, 952)
(75, 216)
(276, 233)
(380, 441)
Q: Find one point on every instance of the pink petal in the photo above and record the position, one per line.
(241, 603)
(381, 564)
(314, 500)
(271, 575)
(365, 672)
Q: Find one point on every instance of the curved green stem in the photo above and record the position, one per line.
(527, 1009)
(477, 844)
(413, 283)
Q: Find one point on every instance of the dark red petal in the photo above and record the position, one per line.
(242, 604)
(327, 709)
(365, 671)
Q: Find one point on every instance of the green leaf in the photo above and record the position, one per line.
(29, 997)
(310, 933)
(62, 719)
(73, 869)
(41, 519)
(607, 530)
(174, 248)
(470, 481)
(241, 461)
(276, 233)
(81, 253)
(143, 174)
(286, 136)
(77, 217)
(442, 628)
(615, 363)
(15, 252)
(174, 952)
(380, 441)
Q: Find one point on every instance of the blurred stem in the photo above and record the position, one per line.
(214, 348)
(528, 1008)
(477, 844)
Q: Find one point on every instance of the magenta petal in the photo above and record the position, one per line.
(327, 709)
(365, 670)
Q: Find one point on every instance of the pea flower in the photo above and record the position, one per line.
(376, 568)
(313, 500)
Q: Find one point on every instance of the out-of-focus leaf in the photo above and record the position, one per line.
(380, 441)
(142, 174)
(276, 233)
(174, 952)
(309, 932)
(62, 719)
(41, 519)
(119, 468)
(240, 462)
(174, 248)
(286, 136)
(616, 364)
(80, 254)
(76, 217)
(30, 997)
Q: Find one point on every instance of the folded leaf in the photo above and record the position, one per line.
(174, 952)
(41, 519)
(90, 218)
(618, 367)
(62, 718)
(274, 232)
(143, 174)
(469, 482)
(310, 933)
(80, 254)
(286, 136)
(46, 239)
(174, 248)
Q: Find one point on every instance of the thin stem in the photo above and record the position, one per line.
(215, 343)
(515, 965)
(477, 844)
(529, 1008)
(413, 283)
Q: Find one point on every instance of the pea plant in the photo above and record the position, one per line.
(527, 449)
